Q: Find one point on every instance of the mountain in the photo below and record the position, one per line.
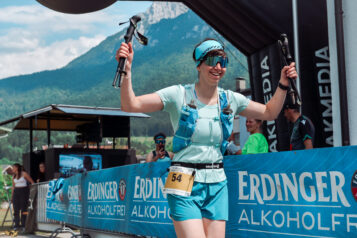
(173, 31)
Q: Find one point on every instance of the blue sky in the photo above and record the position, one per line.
(34, 38)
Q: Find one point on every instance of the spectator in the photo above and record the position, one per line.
(20, 194)
(87, 163)
(159, 154)
(256, 142)
(232, 149)
(302, 136)
(41, 173)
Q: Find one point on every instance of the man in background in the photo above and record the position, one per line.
(303, 133)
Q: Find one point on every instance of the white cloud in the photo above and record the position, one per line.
(18, 40)
(41, 18)
(34, 38)
(54, 56)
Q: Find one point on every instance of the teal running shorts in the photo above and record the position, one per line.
(207, 200)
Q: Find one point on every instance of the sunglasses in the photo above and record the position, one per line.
(214, 60)
(160, 142)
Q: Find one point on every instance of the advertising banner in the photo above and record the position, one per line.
(127, 199)
(307, 193)
(265, 76)
(66, 204)
(310, 193)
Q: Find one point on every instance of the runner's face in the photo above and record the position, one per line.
(211, 74)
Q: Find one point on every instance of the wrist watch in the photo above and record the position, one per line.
(283, 87)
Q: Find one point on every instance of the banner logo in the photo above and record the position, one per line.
(354, 185)
(122, 189)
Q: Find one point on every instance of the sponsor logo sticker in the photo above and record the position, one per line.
(354, 185)
(122, 189)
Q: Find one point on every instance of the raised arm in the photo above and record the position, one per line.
(12, 190)
(271, 110)
(130, 102)
(28, 178)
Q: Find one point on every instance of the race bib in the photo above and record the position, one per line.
(180, 181)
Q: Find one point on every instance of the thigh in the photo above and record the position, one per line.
(214, 228)
(15, 205)
(192, 228)
(16, 201)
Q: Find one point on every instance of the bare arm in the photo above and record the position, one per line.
(308, 144)
(28, 177)
(12, 190)
(149, 157)
(130, 102)
(271, 110)
(171, 155)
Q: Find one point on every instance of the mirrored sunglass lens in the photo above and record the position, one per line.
(210, 61)
(160, 141)
(224, 62)
(214, 60)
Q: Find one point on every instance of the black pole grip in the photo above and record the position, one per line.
(128, 37)
(288, 59)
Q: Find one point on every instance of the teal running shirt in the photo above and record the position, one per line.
(207, 138)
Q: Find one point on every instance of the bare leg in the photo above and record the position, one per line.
(214, 228)
(192, 228)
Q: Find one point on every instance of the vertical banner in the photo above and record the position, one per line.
(265, 75)
(314, 72)
(315, 68)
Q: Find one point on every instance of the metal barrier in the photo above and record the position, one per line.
(43, 223)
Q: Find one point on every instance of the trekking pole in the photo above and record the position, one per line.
(128, 37)
(287, 60)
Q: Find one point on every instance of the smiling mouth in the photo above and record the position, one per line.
(216, 74)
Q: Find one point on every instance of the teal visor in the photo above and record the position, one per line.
(214, 60)
(205, 47)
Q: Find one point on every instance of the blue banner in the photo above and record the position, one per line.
(126, 199)
(311, 193)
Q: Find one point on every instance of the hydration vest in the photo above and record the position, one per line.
(189, 116)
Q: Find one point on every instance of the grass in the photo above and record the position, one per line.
(7, 225)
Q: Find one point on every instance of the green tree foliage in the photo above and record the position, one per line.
(5, 184)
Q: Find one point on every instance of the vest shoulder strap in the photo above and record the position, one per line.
(189, 95)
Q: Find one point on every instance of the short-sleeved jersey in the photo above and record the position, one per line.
(303, 129)
(207, 138)
(256, 144)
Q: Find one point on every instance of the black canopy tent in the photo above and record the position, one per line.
(248, 25)
(112, 122)
(91, 123)
(254, 27)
